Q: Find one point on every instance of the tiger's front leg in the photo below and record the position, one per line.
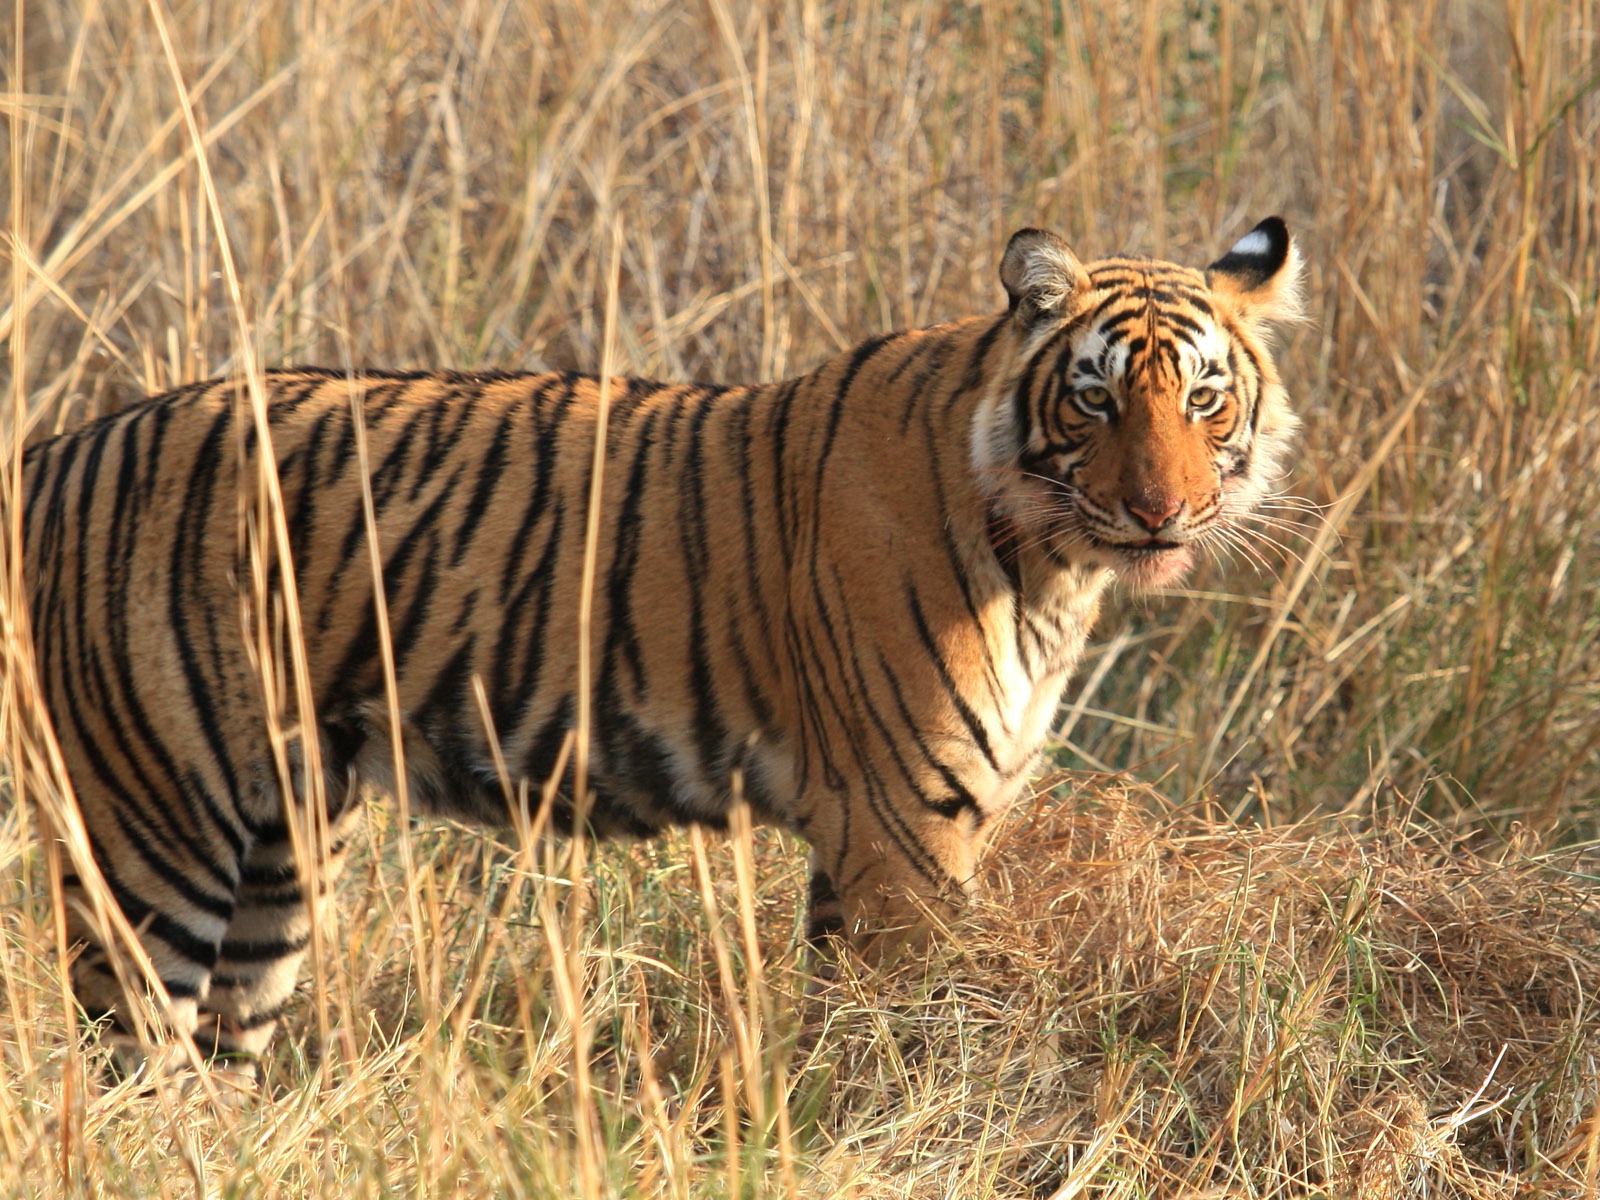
(883, 879)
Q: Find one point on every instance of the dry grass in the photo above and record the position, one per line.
(1349, 942)
(1175, 1005)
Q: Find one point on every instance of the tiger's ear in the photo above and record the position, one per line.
(1043, 278)
(1261, 274)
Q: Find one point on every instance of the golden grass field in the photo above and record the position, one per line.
(1316, 911)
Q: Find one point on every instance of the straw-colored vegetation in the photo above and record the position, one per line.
(1345, 936)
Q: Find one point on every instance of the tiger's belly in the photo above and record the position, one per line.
(644, 772)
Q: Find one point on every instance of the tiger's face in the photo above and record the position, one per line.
(1146, 420)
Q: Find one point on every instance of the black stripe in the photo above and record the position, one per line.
(621, 638)
(159, 420)
(956, 557)
(121, 546)
(151, 923)
(811, 721)
(848, 664)
(361, 651)
(1178, 320)
(962, 798)
(820, 893)
(514, 679)
(840, 641)
(447, 713)
(975, 372)
(175, 875)
(737, 432)
(247, 951)
(90, 673)
(442, 442)
(390, 472)
(969, 718)
(936, 349)
(858, 359)
(407, 624)
(488, 468)
(710, 734)
(1256, 376)
(782, 492)
(183, 583)
(300, 500)
(547, 419)
(539, 763)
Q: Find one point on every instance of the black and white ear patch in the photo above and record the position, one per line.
(1259, 279)
(1256, 257)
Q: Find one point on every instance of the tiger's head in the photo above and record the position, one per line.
(1144, 417)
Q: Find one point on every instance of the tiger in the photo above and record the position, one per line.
(850, 600)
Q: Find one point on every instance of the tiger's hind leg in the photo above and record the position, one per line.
(259, 959)
(179, 902)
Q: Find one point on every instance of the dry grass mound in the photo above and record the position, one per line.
(1161, 1007)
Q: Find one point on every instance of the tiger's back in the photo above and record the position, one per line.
(847, 597)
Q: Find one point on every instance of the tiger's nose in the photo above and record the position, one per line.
(1153, 509)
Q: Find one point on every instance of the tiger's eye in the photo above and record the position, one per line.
(1093, 402)
(1205, 401)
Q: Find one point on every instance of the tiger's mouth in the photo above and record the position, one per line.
(1149, 562)
(1149, 546)
(1155, 563)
